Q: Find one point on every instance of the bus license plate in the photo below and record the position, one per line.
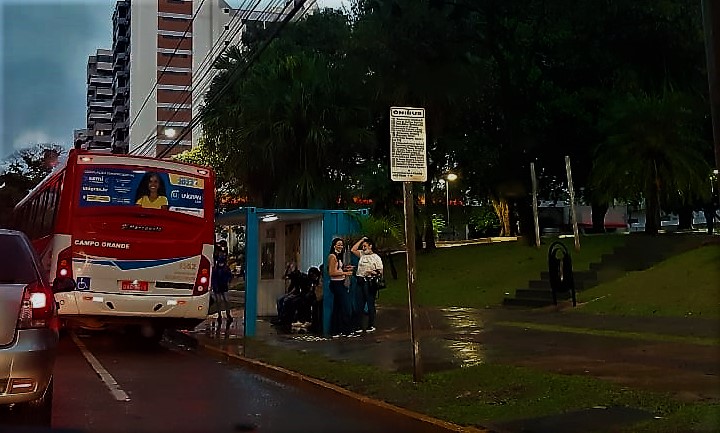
(138, 286)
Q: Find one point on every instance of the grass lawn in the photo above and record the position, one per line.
(488, 393)
(685, 285)
(479, 276)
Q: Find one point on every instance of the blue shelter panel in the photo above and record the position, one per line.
(252, 264)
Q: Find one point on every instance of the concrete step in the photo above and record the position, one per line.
(533, 294)
(534, 303)
(578, 275)
(580, 284)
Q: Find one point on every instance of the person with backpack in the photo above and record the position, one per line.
(221, 278)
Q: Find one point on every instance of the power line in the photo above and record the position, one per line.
(287, 17)
(151, 138)
(205, 66)
(233, 74)
(182, 38)
(208, 61)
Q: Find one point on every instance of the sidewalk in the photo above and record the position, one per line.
(547, 339)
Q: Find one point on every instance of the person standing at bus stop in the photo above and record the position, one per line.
(221, 278)
(369, 266)
(341, 306)
(151, 192)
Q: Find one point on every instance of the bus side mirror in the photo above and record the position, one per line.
(63, 285)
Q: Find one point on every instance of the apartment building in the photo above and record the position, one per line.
(99, 100)
(160, 69)
(121, 77)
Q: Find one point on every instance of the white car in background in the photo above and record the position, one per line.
(28, 334)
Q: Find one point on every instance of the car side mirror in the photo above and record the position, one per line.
(63, 285)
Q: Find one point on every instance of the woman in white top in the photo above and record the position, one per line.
(370, 265)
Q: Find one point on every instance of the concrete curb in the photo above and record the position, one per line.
(300, 380)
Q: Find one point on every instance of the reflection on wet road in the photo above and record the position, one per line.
(171, 389)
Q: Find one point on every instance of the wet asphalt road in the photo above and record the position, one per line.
(108, 382)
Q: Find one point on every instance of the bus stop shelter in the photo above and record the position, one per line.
(274, 238)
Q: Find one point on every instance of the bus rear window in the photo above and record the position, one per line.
(152, 189)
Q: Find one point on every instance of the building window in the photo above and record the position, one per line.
(175, 19)
(178, 55)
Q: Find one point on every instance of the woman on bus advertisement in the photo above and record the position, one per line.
(151, 192)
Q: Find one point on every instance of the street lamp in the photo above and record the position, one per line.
(144, 147)
(449, 178)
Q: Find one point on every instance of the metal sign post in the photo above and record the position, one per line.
(535, 205)
(573, 213)
(408, 163)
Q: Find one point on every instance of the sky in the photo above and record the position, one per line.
(44, 47)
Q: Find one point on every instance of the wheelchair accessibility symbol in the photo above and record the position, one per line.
(83, 283)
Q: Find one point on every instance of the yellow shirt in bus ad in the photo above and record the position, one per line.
(158, 203)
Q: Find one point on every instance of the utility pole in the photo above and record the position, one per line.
(711, 25)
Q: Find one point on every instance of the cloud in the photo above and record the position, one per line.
(45, 47)
(32, 137)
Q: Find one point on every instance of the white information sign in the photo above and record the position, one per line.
(408, 160)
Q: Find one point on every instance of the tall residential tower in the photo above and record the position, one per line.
(162, 56)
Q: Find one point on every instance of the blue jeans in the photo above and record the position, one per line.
(342, 309)
(368, 293)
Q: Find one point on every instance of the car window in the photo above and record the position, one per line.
(16, 267)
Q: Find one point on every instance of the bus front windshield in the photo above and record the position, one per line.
(143, 188)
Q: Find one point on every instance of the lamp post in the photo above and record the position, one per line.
(449, 178)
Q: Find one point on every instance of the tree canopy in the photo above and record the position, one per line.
(504, 83)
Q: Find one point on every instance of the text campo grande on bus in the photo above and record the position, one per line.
(103, 244)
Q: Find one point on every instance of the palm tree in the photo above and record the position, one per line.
(286, 136)
(653, 151)
(291, 127)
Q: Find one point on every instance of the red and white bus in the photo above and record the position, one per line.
(135, 235)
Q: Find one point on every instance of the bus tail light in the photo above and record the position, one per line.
(38, 308)
(64, 264)
(202, 281)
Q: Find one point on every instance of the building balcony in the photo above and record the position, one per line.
(100, 81)
(105, 138)
(119, 109)
(95, 116)
(120, 42)
(103, 126)
(120, 125)
(120, 119)
(100, 104)
(105, 66)
(119, 98)
(120, 21)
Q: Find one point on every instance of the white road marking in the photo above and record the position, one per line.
(105, 376)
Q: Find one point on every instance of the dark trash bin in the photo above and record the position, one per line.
(560, 270)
